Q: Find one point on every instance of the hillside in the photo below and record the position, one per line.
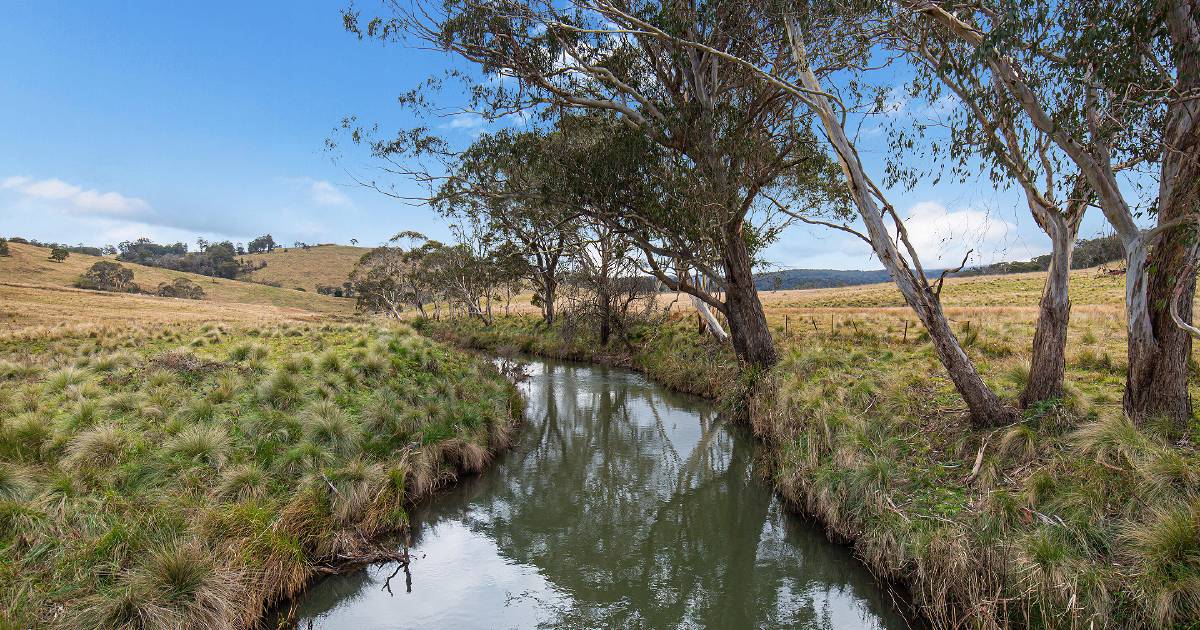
(328, 265)
(1088, 287)
(28, 271)
(786, 279)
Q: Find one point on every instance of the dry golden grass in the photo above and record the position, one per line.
(27, 308)
(328, 265)
(30, 279)
(1088, 286)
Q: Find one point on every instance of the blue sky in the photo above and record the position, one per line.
(123, 119)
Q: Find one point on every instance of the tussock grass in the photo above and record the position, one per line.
(153, 486)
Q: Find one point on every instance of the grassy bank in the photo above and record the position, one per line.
(185, 477)
(1069, 518)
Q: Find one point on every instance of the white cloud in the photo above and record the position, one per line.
(326, 194)
(466, 121)
(76, 197)
(943, 237)
(940, 235)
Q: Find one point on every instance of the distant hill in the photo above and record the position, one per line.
(1089, 252)
(788, 279)
(30, 265)
(292, 267)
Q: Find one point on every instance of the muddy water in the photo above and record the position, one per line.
(622, 505)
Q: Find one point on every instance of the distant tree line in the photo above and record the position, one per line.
(216, 259)
(74, 249)
(1088, 252)
(346, 290)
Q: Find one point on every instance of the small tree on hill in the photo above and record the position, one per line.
(180, 288)
(107, 276)
(4, 247)
(59, 254)
(264, 243)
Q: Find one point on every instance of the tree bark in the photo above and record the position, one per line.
(1050, 337)
(1157, 381)
(752, 340)
(549, 288)
(605, 327)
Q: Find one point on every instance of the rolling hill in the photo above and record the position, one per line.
(787, 279)
(328, 265)
(29, 278)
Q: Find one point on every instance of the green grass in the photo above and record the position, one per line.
(182, 476)
(1074, 517)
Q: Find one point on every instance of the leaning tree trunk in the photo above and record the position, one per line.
(985, 406)
(987, 410)
(1157, 384)
(752, 341)
(708, 321)
(1048, 362)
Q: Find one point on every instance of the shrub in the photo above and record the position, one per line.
(108, 276)
(4, 247)
(180, 288)
(59, 254)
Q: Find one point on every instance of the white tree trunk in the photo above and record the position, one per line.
(713, 325)
(985, 406)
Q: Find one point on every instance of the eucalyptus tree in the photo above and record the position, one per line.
(985, 126)
(393, 275)
(794, 74)
(501, 180)
(628, 182)
(470, 272)
(1110, 83)
(733, 136)
(610, 280)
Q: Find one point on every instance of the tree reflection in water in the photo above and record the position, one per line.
(623, 505)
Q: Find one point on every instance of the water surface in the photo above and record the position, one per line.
(622, 505)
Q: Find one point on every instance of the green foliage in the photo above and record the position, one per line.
(107, 275)
(180, 288)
